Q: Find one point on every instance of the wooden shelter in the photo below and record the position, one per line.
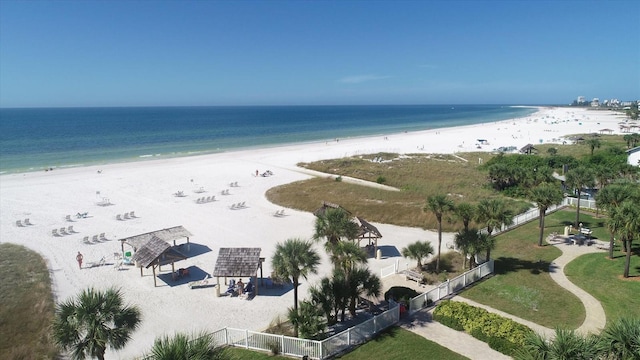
(602, 131)
(238, 262)
(169, 235)
(327, 205)
(369, 232)
(528, 149)
(155, 253)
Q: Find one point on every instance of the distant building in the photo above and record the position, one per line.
(595, 102)
(581, 100)
(634, 156)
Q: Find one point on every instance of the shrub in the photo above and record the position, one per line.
(339, 178)
(398, 293)
(502, 334)
(381, 180)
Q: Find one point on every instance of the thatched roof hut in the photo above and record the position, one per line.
(369, 232)
(169, 235)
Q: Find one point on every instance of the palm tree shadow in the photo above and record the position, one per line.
(504, 265)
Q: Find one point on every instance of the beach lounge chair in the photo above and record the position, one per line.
(70, 229)
(63, 231)
(68, 218)
(95, 238)
(102, 238)
(125, 216)
(19, 223)
(86, 240)
(206, 282)
(118, 264)
(54, 232)
(100, 262)
(208, 199)
(27, 222)
(118, 217)
(132, 215)
(242, 204)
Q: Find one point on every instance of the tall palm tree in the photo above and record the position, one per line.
(418, 251)
(93, 321)
(326, 296)
(494, 214)
(593, 144)
(362, 282)
(439, 205)
(293, 259)
(335, 225)
(200, 346)
(579, 178)
(346, 255)
(464, 241)
(465, 212)
(610, 198)
(545, 195)
(625, 221)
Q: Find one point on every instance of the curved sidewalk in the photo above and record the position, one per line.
(422, 324)
(595, 319)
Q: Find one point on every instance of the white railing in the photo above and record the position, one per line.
(587, 204)
(389, 270)
(451, 286)
(314, 349)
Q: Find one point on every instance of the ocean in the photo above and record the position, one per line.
(33, 139)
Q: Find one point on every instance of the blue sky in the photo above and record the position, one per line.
(147, 53)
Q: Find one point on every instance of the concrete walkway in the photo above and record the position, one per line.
(422, 324)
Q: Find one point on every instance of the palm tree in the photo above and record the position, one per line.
(362, 282)
(182, 346)
(493, 213)
(593, 144)
(610, 198)
(545, 195)
(335, 225)
(439, 205)
(346, 255)
(326, 295)
(464, 240)
(625, 221)
(307, 319)
(293, 259)
(418, 251)
(465, 212)
(621, 339)
(579, 178)
(93, 321)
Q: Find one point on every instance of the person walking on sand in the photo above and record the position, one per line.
(79, 258)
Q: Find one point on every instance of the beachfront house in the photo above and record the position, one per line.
(634, 156)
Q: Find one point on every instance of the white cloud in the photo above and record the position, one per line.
(357, 79)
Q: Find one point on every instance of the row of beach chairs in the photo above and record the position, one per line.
(126, 216)
(224, 192)
(94, 239)
(234, 184)
(83, 215)
(279, 213)
(207, 199)
(238, 206)
(21, 223)
(63, 231)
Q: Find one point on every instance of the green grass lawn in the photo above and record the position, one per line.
(602, 278)
(27, 305)
(523, 287)
(395, 343)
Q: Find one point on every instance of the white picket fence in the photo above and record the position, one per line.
(313, 349)
(451, 286)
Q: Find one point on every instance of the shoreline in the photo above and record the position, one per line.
(147, 187)
(177, 152)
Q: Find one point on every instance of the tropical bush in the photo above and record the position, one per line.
(502, 334)
(400, 293)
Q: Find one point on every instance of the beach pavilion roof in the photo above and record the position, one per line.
(527, 149)
(605, 131)
(155, 253)
(327, 205)
(237, 262)
(168, 235)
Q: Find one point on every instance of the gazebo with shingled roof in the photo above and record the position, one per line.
(367, 231)
(155, 253)
(238, 262)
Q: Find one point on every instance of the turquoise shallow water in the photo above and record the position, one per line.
(35, 139)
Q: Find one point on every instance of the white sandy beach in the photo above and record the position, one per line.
(146, 187)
